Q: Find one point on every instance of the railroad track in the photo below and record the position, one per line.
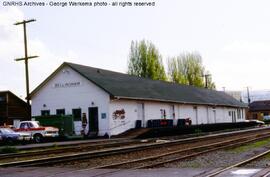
(95, 154)
(156, 161)
(70, 148)
(103, 145)
(161, 159)
(107, 152)
(241, 164)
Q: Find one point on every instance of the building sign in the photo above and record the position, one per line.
(103, 115)
(67, 84)
(119, 114)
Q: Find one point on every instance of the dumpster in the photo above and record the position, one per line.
(63, 122)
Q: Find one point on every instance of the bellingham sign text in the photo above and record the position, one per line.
(67, 84)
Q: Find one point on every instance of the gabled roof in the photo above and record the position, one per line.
(263, 105)
(15, 96)
(125, 86)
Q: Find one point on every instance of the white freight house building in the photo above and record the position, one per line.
(113, 101)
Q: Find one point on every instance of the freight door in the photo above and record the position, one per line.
(141, 115)
(93, 119)
(233, 116)
(215, 115)
(195, 114)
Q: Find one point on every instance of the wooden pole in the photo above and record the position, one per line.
(24, 22)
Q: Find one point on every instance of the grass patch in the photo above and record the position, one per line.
(55, 146)
(251, 146)
(8, 149)
(197, 131)
(192, 164)
(267, 156)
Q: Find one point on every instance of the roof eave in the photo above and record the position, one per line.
(173, 101)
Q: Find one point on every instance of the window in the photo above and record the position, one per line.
(30, 125)
(265, 114)
(34, 124)
(23, 126)
(2, 98)
(60, 112)
(45, 112)
(77, 114)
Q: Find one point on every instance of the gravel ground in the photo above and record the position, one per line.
(139, 154)
(260, 163)
(77, 149)
(116, 159)
(221, 158)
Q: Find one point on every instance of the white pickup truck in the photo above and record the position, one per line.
(37, 132)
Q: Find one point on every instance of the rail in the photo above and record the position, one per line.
(194, 151)
(239, 164)
(116, 165)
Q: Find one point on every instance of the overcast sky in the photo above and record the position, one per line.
(232, 36)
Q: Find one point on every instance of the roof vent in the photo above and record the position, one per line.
(98, 71)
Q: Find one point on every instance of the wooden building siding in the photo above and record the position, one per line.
(12, 107)
(259, 109)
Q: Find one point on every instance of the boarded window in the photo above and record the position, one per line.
(77, 114)
(45, 112)
(60, 112)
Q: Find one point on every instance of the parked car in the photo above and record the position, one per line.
(36, 131)
(266, 118)
(9, 136)
(256, 121)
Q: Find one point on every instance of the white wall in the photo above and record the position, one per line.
(83, 96)
(202, 115)
(153, 110)
(186, 111)
(131, 115)
(205, 114)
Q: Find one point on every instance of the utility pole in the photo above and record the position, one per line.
(206, 79)
(26, 57)
(248, 95)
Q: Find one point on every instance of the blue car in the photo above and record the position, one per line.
(7, 135)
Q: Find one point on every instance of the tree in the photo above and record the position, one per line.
(145, 61)
(187, 69)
